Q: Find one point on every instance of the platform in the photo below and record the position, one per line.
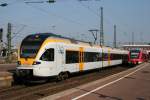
(6, 79)
(132, 84)
(7, 67)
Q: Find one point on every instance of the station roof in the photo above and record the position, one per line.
(136, 45)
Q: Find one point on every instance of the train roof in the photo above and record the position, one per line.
(58, 36)
(71, 40)
(44, 36)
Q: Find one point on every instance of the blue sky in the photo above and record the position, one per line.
(73, 18)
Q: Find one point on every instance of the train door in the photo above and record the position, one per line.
(101, 58)
(60, 57)
(104, 57)
(109, 57)
(48, 61)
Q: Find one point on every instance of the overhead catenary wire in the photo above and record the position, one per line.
(9, 3)
(95, 13)
(18, 32)
(107, 20)
(58, 16)
(53, 14)
(88, 8)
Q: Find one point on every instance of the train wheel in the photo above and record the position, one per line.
(62, 76)
(58, 78)
(66, 75)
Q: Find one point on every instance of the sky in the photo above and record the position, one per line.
(73, 18)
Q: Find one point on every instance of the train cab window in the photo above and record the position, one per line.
(48, 55)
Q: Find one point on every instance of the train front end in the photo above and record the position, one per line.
(28, 52)
(135, 57)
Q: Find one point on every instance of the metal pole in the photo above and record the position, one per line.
(1, 39)
(141, 37)
(115, 45)
(101, 32)
(94, 35)
(1, 34)
(9, 39)
(132, 38)
(101, 28)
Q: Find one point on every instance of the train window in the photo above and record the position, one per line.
(48, 55)
(28, 51)
(72, 57)
(92, 56)
(117, 56)
(105, 56)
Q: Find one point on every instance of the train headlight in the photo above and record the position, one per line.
(36, 63)
(19, 62)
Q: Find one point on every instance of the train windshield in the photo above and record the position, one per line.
(134, 54)
(31, 45)
(29, 51)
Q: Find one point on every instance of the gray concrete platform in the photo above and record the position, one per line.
(132, 84)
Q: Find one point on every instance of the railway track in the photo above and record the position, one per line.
(22, 92)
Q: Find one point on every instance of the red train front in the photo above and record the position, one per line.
(137, 56)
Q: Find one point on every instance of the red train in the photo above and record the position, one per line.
(137, 56)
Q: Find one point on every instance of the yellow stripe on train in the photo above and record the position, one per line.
(81, 64)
